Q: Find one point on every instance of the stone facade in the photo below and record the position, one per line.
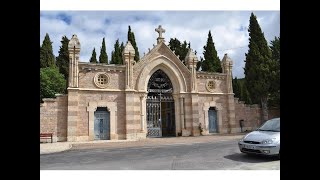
(122, 90)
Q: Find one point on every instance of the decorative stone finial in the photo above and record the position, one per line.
(74, 42)
(129, 49)
(226, 58)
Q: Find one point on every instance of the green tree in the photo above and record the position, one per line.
(47, 58)
(274, 100)
(121, 49)
(132, 39)
(103, 58)
(245, 96)
(116, 54)
(211, 61)
(180, 49)
(236, 87)
(93, 58)
(257, 69)
(62, 61)
(199, 64)
(51, 82)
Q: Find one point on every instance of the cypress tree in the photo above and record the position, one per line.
(62, 61)
(93, 58)
(258, 66)
(103, 58)
(132, 39)
(211, 61)
(116, 54)
(275, 87)
(47, 58)
(121, 49)
(236, 88)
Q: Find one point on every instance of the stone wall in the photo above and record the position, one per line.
(251, 114)
(218, 101)
(203, 78)
(88, 71)
(97, 96)
(53, 117)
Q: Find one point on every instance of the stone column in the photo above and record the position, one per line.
(142, 111)
(128, 58)
(73, 100)
(227, 69)
(195, 114)
(74, 55)
(182, 119)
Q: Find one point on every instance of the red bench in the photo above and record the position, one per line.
(46, 136)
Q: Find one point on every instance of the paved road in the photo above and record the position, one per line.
(209, 155)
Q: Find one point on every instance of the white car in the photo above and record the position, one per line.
(265, 140)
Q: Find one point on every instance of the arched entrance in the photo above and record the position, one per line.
(160, 106)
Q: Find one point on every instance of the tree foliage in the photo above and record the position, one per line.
(62, 61)
(240, 90)
(103, 58)
(121, 49)
(274, 99)
(51, 82)
(236, 87)
(180, 49)
(258, 67)
(211, 61)
(47, 58)
(132, 39)
(116, 54)
(199, 64)
(93, 58)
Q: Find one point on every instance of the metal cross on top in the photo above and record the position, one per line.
(160, 30)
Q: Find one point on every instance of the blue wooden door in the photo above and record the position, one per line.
(212, 121)
(101, 125)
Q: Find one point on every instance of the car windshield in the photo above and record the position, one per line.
(271, 125)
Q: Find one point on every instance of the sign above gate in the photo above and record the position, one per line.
(160, 90)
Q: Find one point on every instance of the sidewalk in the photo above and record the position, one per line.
(47, 148)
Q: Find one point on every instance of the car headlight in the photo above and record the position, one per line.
(268, 141)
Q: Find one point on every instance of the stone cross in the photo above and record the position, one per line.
(160, 30)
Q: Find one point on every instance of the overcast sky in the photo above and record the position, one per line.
(228, 28)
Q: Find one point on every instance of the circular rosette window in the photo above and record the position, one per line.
(101, 80)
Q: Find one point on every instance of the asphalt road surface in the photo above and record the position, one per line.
(223, 155)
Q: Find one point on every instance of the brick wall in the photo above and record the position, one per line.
(53, 117)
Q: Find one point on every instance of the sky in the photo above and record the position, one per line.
(229, 30)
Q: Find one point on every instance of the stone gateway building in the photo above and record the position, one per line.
(158, 96)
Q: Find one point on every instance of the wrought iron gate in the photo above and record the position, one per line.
(153, 117)
(160, 106)
(157, 116)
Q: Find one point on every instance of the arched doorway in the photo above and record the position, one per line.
(160, 106)
(101, 124)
